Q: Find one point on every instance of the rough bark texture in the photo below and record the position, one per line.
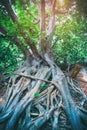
(41, 9)
(41, 97)
(3, 30)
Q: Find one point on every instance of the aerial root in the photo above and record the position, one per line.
(42, 97)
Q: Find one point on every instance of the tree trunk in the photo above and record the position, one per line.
(41, 7)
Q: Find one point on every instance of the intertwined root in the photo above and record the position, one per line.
(43, 98)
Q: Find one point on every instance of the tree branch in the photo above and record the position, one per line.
(3, 30)
(8, 6)
(35, 78)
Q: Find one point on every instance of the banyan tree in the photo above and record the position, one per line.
(41, 95)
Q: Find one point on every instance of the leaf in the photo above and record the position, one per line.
(12, 75)
(42, 86)
(36, 94)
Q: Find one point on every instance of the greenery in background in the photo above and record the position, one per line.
(10, 56)
(70, 40)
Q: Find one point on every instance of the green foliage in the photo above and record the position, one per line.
(27, 15)
(36, 94)
(9, 56)
(12, 75)
(43, 86)
(70, 42)
(7, 23)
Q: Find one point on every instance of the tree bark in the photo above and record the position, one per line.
(42, 24)
(3, 30)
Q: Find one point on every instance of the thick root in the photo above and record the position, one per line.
(43, 98)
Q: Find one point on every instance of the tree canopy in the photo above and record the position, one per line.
(20, 25)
